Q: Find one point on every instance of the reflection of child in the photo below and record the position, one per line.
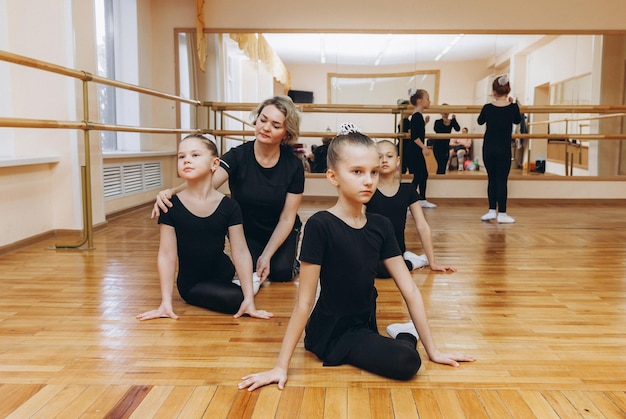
(391, 199)
(194, 230)
(500, 115)
(416, 149)
(441, 147)
(341, 247)
(320, 155)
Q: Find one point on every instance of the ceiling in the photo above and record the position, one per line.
(388, 49)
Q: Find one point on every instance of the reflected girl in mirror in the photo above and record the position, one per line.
(499, 115)
(416, 150)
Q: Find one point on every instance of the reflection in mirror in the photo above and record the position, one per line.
(544, 70)
(377, 88)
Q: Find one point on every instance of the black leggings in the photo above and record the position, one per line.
(215, 292)
(417, 166)
(392, 358)
(284, 266)
(498, 167)
(441, 151)
(216, 296)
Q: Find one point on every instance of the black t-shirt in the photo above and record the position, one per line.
(200, 240)
(261, 192)
(394, 208)
(417, 127)
(348, 258)
(441, 128)
(499, 120)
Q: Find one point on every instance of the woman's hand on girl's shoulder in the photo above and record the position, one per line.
(162, 203)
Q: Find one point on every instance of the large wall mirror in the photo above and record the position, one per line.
(457, 69)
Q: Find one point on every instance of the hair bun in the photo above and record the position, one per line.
(347, 128)
(503, 80)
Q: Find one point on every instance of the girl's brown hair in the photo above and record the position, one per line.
(501, 86)
(419, 94)
(210, 144)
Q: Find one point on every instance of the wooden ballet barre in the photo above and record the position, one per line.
(395, 109)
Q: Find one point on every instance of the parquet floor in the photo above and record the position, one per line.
(541, 304)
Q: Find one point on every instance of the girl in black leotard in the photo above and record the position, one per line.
(441, 147)
(340, 249)
(392, 199)
(193, 231)
(500, 115)
(416, 148)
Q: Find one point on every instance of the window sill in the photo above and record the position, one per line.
(135, 154)
(7, 161)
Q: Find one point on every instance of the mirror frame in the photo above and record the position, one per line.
(333, 78)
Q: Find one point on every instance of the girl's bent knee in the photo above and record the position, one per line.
(409, 368)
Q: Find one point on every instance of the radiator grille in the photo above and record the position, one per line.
(130, 178)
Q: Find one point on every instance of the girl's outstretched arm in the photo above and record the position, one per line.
(243, 265)
(413, 298)
(309, 277)
(425, 235)
(282, 230)
(167, 273)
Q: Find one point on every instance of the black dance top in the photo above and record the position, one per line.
(499, 120)
(394, 208)
(200, 240)
(417, 127)
(441, 128)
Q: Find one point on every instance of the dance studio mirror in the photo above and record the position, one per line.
(457, 69)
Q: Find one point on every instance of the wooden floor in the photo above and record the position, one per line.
(541, 304)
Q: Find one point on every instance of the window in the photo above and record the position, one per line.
(118, 58)
(106, 68)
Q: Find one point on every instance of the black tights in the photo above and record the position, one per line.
(420, 173)
(441, 151)
(215, 296)
(392, 358)
(498, 167)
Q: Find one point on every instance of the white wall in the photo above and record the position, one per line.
(456, 86)
(575, 57)
(47, 196)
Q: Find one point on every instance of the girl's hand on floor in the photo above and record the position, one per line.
(254, 381)
(450, 358)
(442, 268)
(161, 312)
